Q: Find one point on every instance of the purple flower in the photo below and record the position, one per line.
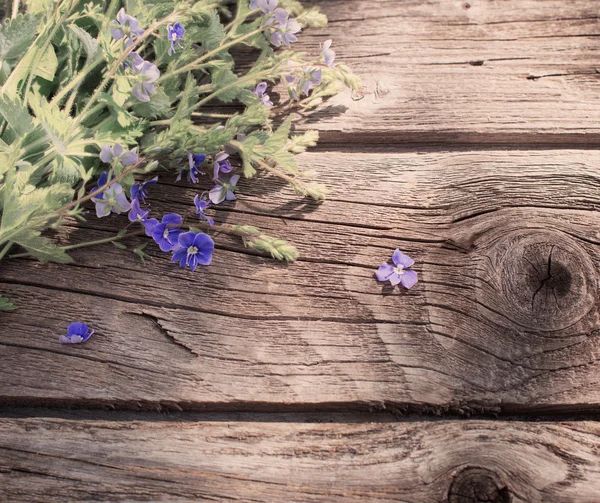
(399, 273)
(328, 54)
(125, 25)
(285, 29)
(144, 87)
(175, 33)
(194, 163)
(194, 249)
(76, 333)
(166, 233)
(221, 164)
(312, 78)
(112, 200)
(267, 6)
(136, 214)
(102, 181)
(260, 92)
(116, 153)
(149, 225)
(201, 206)
(223, 191)
(134, 61)
(138, 191)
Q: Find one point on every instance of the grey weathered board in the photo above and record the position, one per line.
(52, 460)
(505, 317)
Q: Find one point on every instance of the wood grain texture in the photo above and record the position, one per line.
(47, 460)
(505, 317)
(452, 71)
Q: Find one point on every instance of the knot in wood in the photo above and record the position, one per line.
(478, 485)
(540, 280)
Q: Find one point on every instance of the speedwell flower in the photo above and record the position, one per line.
(139, 190)
(124, 26)
(175, 33)
(224, 190)
(260, 91)
(201, 206)
(221, 164)
(266, 6)
(285, 29)
(311, 79)
(116, 153)
(194, 163)
(137, 214)
(328, 54)
(76, 333)
(112, 200)
(144, 87)
(166, 233)
(194, 249)
(398, 273)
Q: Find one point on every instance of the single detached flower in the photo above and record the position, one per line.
(285, 29)
(201, 206)
(116, 153)
(125, 26)
(193, 250)
(224, 190)
(328, 54)
(221, 164)
(137, 214)
(76, 333)
(166, 233)
(260, 92)
(139, 190)
(175, 33)
(193, 170)
(398, 273)
(144, 87)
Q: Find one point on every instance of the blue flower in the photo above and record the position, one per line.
(116, 153)
(328, 54)
(144, 87)
(134, 61)
(138, 191)
(285, 29)
(125, 25)
(201, 206)
(267, 6)
(137, 214)
(175, 33)
(166, 233)
(76, 333)
(260, 92)
(224, 190)
(193, 169)
(221, 164)
(311, 79)
(112, 200)
(149, 225)
(399, 273)
(194, 249)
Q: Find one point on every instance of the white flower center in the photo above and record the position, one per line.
(192, 250)
(166, 233)
(399, 270)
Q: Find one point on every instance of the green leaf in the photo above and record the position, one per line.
(222, 77)
(41, 248)
(17, 35)
(212, 30)
(47, 64)
(278, 140)
(89, 44)
(16, 115)
(6, 305)
(40, 6)
(158, 106)
(121, 90)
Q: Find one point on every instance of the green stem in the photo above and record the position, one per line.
(83, 73)
(15, 8)
(195, 64)
(213, 116)
(5, 249)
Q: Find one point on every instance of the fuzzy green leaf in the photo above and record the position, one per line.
(16, 115)
(6, 305)
(89, 44)
(16, 36)
(47, 65)
(278, 140)
(41, 248)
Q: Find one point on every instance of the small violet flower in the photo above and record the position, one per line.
(167, 232)
(260, 92)
(201, 206)
(139, 190)
(194, 249)
(312, 78)
(134, 61)
(175, 33)
(125, 25)
(221, 164)
(149, 225)
(76, 333)
(224, 191)
(113, 199)
(144, 87)
(194, 163)
(399, 273)
(116, 153)
(285, 29)
(328, 54)
(267, 6)
(137, 214)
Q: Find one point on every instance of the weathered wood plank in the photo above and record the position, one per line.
(505, 317)
(448, 71)
(47, 460)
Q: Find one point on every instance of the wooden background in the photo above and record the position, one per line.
(473, 148)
